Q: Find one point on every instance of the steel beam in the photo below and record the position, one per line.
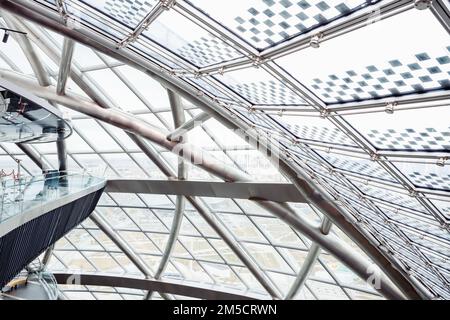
(121, 243)
(42, 76)
(191, 153)
(441, 10)
(188, 125)
(142, 143)
(308, 263)
(53, 21)
(180, 201)
(34, 156)
(103, 103)
(65, 65)
(284, 192)
(209, 292)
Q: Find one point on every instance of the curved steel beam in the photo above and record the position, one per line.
(180, 202)
(41, 74)
(87, 37)
(166, 286)
(308, 264)
(130, 123)
(65, 65)
(188, 125)
(96, 96)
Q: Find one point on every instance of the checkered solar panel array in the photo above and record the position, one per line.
(422, 72)
(320, 134)
(359, 166)
(442, 263)
(430, 228)
(419, 239)
(390, 196)
(366, 212)
(207, 51)
(410, 139)
(271, 21)
(153, 55)
(204, 86)
(130, 12)
(267, 93)
(443, 206)
(430, 180)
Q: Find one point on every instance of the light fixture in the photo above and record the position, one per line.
(422, 4)
(8, 32)
(5, 36)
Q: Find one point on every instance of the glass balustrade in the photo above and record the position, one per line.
(26, 193)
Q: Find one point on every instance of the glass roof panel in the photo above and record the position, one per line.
(325, 291)
(113, 87)
(129, 12)
(200, 249)
(431, 176)
(96, 135)
(258, 87)
(191, 42)
(408, 130)
(139, 242)
(155, 93)
(363, 167)
(86, 57)
(146, 220)
(242, 227)
(278, 232)
(124, 165)
(387, 195)
(314, 129)
(224, 275)
(444, 207)
(264, 23)
(192, 271)
(85, 14)
(166, 217)
(268, 257)
(371, 64)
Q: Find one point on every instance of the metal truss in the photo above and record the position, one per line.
(220, 110)
(228, 173)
